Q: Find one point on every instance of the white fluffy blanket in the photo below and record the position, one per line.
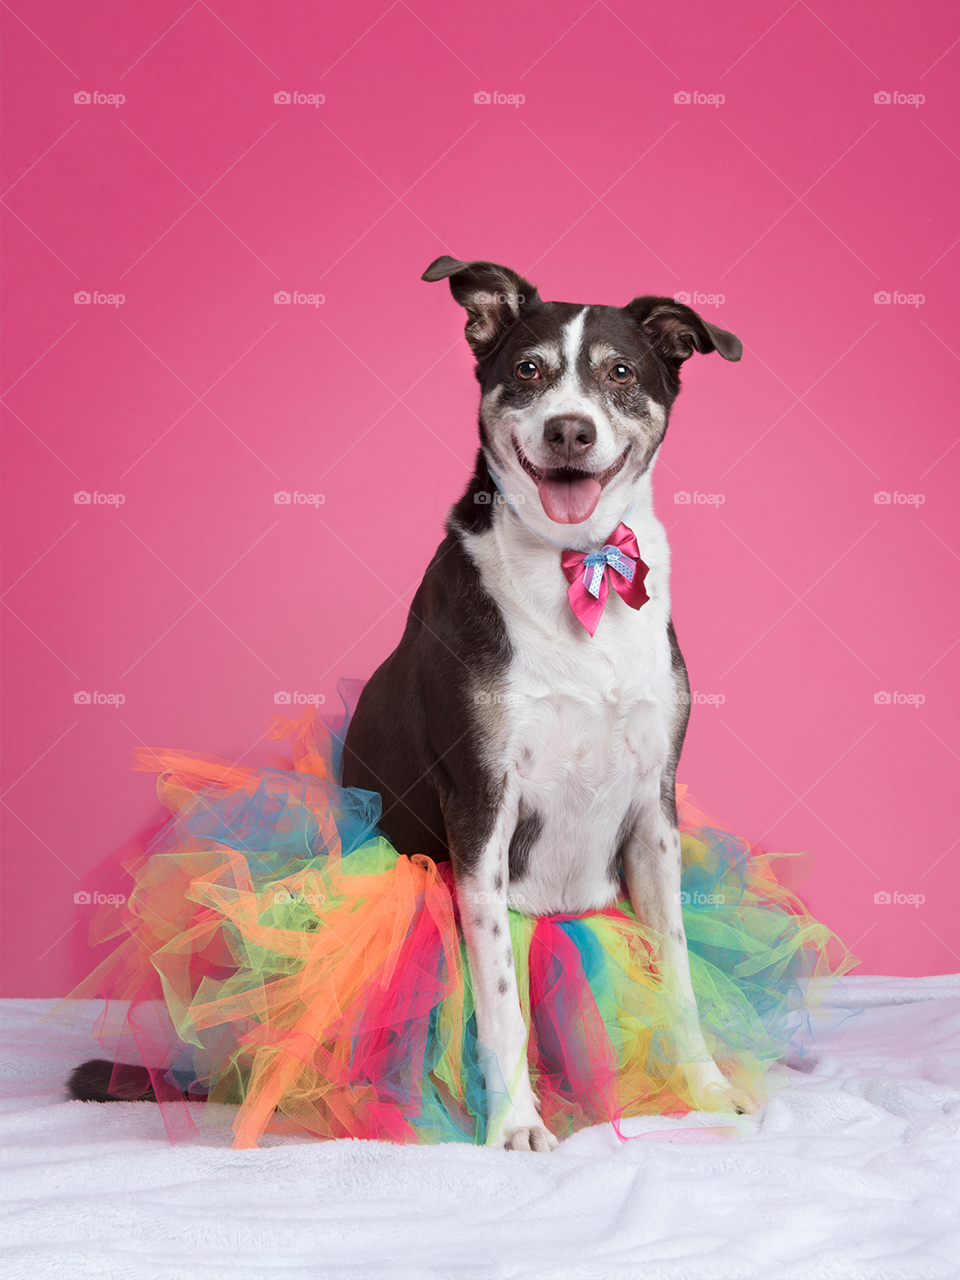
(851, 1170)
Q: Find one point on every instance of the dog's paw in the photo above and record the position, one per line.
(534, 1137)
(522, 1129)
(724, 1097)
(713, 1092)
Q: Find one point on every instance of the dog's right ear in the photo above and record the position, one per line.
(493, 297)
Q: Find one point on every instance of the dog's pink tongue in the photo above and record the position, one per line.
(569, 501)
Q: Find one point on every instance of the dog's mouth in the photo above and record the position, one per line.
(568, 495)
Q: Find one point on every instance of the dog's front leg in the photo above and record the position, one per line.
(652, 867)
(513, 1122)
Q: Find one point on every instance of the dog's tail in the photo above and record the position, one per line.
(102, 1081)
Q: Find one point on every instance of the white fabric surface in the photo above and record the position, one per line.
(851, 1170)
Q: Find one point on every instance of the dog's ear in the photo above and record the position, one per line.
(493, 297)
(675, 331)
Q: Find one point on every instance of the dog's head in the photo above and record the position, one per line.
(574, 399)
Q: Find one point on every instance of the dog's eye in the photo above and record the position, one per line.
(526, 370)
(621, 373)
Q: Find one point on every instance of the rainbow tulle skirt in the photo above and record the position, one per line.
(278, 956)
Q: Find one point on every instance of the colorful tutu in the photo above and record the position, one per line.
(279, 956)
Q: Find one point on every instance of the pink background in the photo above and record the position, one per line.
(797, 199)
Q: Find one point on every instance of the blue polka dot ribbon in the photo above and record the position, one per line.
(597, 562)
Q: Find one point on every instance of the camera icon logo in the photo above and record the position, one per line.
(82, 297)
(82, 498)
(882, 699)
(82, 699)
(281, 896)
(283, 98)
(482, 99)
(281, 699)
(882, 898)
(682, 296)
(683, 897)
(882, 498)
(882, 297)
(282, 499)
(83, 98)
(282, 297)
(683, 498)
(882, 98)
(682, 98)
(82, 898)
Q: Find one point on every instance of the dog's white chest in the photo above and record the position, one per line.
(585, 728)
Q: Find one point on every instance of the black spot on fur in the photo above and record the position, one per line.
(623, 839)
(496, 930)
(525, 836)
(498, 882)
(503, 986)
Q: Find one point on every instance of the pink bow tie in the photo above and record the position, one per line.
(590, 576)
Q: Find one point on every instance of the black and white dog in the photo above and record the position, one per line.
(529, 723)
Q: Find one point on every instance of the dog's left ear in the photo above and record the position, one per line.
(675, 330)
(493, 297)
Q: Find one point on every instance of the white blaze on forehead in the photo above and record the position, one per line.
(571, 340)
(567, 395)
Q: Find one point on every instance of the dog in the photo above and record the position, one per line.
(527, 727)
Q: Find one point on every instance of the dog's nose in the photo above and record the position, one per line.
(569, 435)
